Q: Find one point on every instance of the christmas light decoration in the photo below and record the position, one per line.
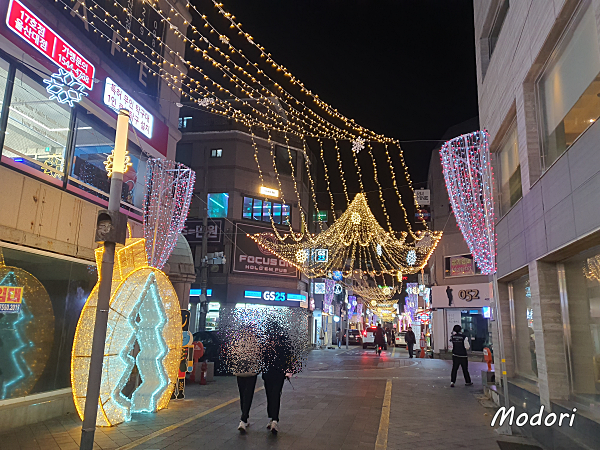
(65, 88)
(467, 171)
(169, 188)
(26, 332)
(108, 164)
(144, 309)
(352, 242)
(591, 270)
(358, 144)
(56, 162)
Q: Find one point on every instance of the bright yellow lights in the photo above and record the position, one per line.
(269, 192)
(132, 280)
(373, 302)
(355, 217)
(109, 164)
(591, 270)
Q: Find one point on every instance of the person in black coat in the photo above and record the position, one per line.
(410, 340)
(459, 355)
(278, 360)
(379, 338)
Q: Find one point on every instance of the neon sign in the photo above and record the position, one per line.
(275, 296)
(36, 33)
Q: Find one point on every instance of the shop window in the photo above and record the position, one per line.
(263, 210)
(568, 88)
(582, 274)
(508, 171)
(216, 153)
(523, 319)
(37, 128)
(282, 160)
(460, 266)
(497, 26)
(36, 336)
(94, 141)
(218, 205)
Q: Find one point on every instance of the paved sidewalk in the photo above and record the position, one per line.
(336, 403)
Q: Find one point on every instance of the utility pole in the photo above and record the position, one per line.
(111, 228)
(204, 267)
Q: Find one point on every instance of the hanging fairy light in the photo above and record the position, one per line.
(468, 174)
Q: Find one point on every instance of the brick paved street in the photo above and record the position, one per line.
(335, 404)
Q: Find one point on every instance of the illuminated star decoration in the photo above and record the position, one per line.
(354, 242)
(108, 164)
(467, 171)
(358, 144)
(65, 88)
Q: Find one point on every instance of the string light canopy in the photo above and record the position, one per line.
(468, 174)
(169, 188)
(354, 241)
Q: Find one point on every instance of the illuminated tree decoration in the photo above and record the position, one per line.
(169, 188)
(468, 174)
(65, 88)
(353, 241)
(144, 309)
(26, 335)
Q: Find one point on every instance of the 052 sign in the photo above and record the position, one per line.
(468, 294)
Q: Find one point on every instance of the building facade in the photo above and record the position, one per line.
(65, 70)
(538, 66)
(229, 191)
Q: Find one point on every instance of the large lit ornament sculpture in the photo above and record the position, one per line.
(26, 330)
(467, 171)
(355, 241)
(144, 321)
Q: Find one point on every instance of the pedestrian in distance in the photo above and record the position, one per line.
(460, 345)
(410, 340)
(379, 339)
(338, 336)
(277, 360)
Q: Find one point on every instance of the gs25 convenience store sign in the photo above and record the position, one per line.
(10, 299)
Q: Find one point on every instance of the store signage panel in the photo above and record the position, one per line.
(193, 231)
(116, 99)
(35, 32)
(11, 298)
(248, 257)
(469, 296)
(422, 197)
(275, 296)
(461, 266)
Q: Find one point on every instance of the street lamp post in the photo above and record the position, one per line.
(110, 229)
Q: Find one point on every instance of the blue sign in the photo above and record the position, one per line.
(275, 296)
(486, 312)
(337, 275)
(198, 292)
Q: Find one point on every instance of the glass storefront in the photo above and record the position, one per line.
(582, 274)
(523, 317)
(41, 298)
(50, 140)
(476, 327)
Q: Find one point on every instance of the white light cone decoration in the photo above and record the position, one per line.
(468, 173)
(169, 191)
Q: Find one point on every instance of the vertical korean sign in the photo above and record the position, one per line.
(40, 36)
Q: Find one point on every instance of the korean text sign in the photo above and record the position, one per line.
(116, 98)
(10, 299)
(39, 35)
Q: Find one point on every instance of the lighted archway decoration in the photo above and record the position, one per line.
(355, 241)
(144, 308)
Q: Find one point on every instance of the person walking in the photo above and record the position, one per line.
(338, 336)
(277, 360)
(379, 339)
(460, 345)
(410, 340)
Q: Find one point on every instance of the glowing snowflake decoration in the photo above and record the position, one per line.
(411, 258)
(378, 249)
(358, 144)
(301, 256)
(65, 88)
(206, 101)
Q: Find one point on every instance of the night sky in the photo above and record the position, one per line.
(403, 68)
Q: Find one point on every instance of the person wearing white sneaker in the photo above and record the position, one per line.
(274, 427)
(243, 426)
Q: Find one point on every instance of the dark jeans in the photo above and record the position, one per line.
(410, 349)
(462, 362)
(246, 387)
(273, 387)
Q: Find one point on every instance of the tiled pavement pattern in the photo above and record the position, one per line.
(335, 404)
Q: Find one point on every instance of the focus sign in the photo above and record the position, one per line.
(10, 299)
(37, 34)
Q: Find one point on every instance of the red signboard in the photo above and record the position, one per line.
(10, 299)
(35, 32)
